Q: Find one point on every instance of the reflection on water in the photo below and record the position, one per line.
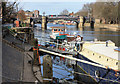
(89, 34)
(62, 68)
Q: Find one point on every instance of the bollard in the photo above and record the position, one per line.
(47, 69)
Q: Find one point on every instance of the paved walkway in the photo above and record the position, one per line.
(12, 63)
(15, 63)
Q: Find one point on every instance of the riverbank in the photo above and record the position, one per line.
(112, 27)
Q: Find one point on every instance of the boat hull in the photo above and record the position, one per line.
(104, 74)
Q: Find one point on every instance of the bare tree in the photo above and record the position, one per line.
(21, 15)
(106, 10)
(9, 11)
(64, 12)
(87, 9)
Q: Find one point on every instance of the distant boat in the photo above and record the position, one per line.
(59, 33)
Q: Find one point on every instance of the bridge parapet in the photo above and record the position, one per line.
(44, 20)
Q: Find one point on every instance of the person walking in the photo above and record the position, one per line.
(78, 42)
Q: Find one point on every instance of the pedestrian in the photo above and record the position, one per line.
(78, 42)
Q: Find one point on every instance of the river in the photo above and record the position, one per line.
(88, 34)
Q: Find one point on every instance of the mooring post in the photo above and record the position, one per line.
(44, 23)
(35, 51)
(47, 69)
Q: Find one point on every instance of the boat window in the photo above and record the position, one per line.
(62, 29)
(58, 29)
(116, 63)
(55, 29)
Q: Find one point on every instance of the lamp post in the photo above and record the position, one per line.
(89, 13)
(43, 13)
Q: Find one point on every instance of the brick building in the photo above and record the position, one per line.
(29, 14)
(71, 14)
(36, 13)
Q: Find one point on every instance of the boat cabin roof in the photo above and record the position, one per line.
(106, 51)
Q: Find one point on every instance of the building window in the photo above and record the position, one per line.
(93, 54)
(116, 63)
(107, 59)
(99, 56)
(58, 29)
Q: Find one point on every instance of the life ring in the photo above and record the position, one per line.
(97, 73)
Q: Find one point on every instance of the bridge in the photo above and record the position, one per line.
(45, 19)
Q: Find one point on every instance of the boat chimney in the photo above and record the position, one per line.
(95, 40)
(106, 43)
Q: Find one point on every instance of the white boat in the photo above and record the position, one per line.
(104, 53)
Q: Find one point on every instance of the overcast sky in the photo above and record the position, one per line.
(54, 6)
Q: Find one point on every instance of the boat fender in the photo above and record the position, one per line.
(63, 49)
(53, 45)
(116, 73)
(97, 73)
(39, 45)
(50, 45)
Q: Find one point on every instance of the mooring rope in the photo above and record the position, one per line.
(88, 75)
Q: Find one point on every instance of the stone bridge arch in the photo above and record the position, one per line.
(44, 20)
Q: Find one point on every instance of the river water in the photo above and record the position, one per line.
(88, 33)
(61, 66)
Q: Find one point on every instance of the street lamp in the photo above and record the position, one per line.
(89, 13)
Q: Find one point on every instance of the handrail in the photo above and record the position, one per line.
(12, 45)
(72, 58)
